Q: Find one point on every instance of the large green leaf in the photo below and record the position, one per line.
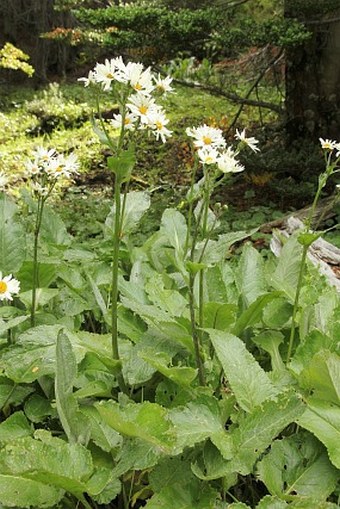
(197, 421)
(312, 345)
(250, 274)
(216, 251)
(17, 491)
(33, 355)
(53, 229)
(298, 466)
(101, 433)
(253, 314)
(169, 300)
(147, 421)
(249, 382)
(322, 418)
(48, 460)
(136, 204)
(243, 445)
(286, 274)
(322, 376)
(12, 394)
(46, 273)
(174, 228)
(15, 426)
(12, 238)
(74, 423)
(172, 481)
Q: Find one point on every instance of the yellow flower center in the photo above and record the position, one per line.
(138, 86)
(110, 76)
(127, 121)
(59, 169)
(3, 287)
(207, 140)
(143, 109)
(159, 125)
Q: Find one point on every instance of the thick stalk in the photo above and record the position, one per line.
(39, 216)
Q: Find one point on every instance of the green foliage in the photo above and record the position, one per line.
(172, 31)
(13, 58)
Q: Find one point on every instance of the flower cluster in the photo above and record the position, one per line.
(134, 88)
(212, 148)
(8, 286)
(47, 167)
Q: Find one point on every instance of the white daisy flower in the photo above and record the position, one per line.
(163, 85)
(142, 106)
(62, 166)
(206, 137)
(129, 121)
(8, 286)
(105, 73)
(250, 142)
(227, 163)
(90, 80)
(157, 122)
(208, 155)
(329, 144)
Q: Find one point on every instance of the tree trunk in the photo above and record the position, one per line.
(313, 75)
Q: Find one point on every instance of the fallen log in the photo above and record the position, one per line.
(321, 253)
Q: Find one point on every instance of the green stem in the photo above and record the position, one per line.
(195, 332)
(114, 289)
(191, 205)
(308, 224)
(39, 216)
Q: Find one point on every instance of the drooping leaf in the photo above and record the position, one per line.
(33, 354)
(299, 466)
(247, 379)
(322, 418)
(48, 460)
(17, 491)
